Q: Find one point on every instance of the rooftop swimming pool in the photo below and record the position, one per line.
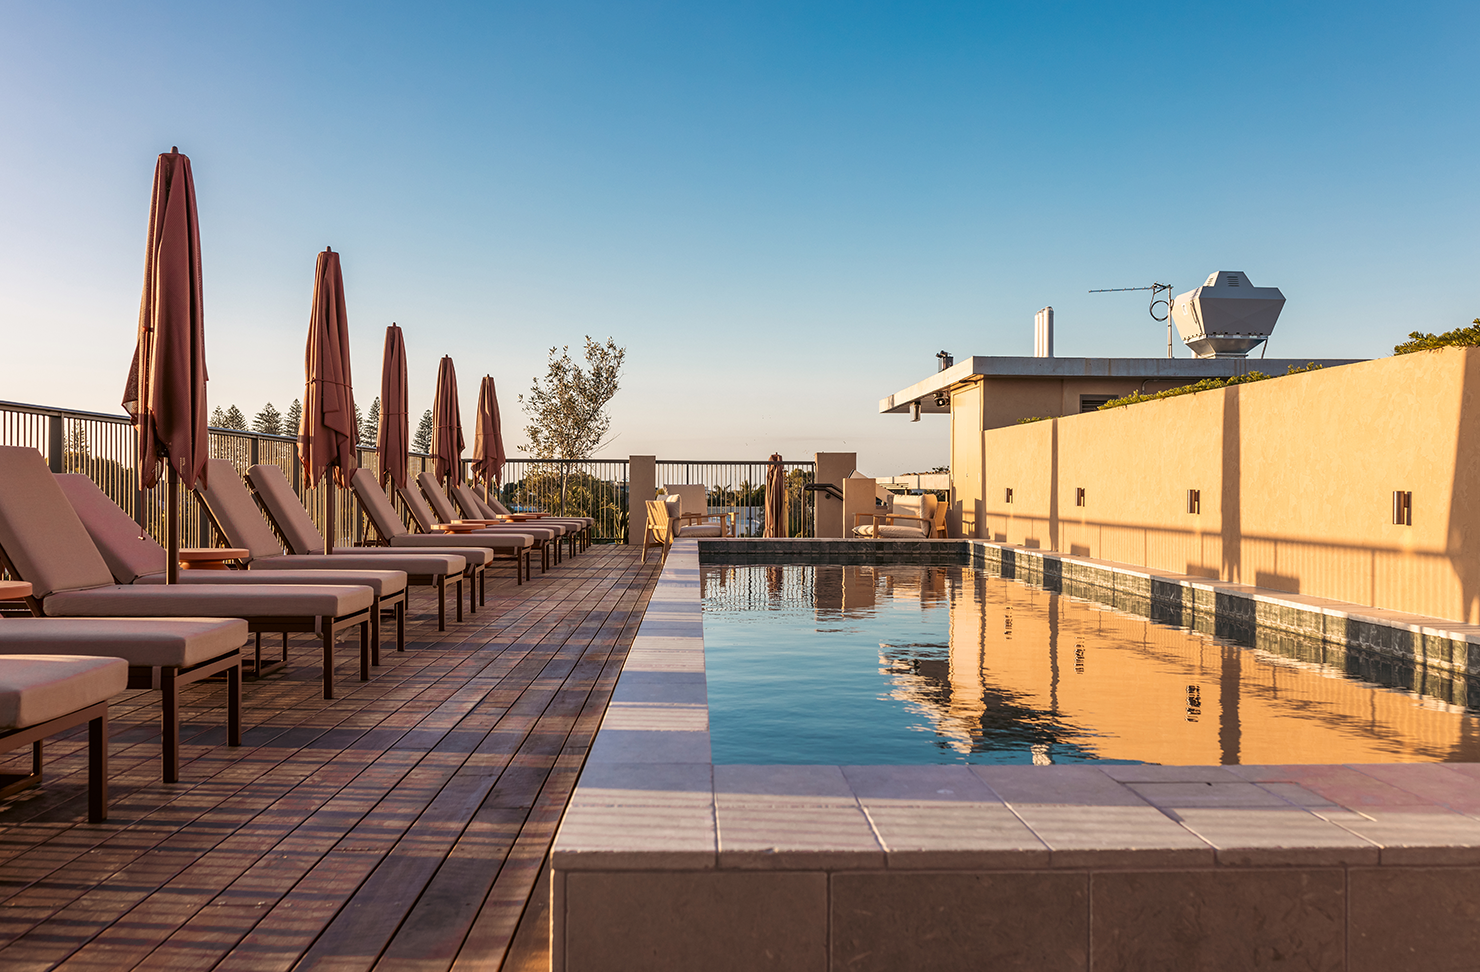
(856, 665)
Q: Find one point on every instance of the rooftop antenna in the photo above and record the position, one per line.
(1166, 304)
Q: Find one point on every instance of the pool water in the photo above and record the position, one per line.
(890, 664)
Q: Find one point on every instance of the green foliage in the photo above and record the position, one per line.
(1461, 337)
(370, 428)
(269, 421)
(293, 419)
(231, 418)
(422, 440)
(567, 408)
(1207, 384)
(1033, 418)
(584, 495)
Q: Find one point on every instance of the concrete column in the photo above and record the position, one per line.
(642, 485)
(832, 467)
(859, 496)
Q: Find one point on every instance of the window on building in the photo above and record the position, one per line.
(1403, 507)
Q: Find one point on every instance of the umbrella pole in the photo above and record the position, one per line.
(172, 569)
(329, 491)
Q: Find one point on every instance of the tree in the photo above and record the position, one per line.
(422, 441)
(359, 423)
(567, 408)
(370, 428)
(293, 419)
(269, 421)
(232, 418)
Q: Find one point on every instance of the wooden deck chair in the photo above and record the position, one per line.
(42, 541)
(292, 523)
(135, 557)
(42, 695)
(163, 653)
(392, 530)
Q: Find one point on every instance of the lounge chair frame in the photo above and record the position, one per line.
(473, 573)
(96, 717)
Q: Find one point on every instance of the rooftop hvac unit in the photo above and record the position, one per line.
(1227, 317)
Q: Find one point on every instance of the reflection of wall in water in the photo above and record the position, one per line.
(1132, 680)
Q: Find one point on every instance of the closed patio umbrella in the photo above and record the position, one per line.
(447, 436)
(775, 498)
(393, 436)
(166, 392)
(328, 435)
(488, 439)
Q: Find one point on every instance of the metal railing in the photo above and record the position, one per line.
(740, 488)
(590, 487)
(101, 446)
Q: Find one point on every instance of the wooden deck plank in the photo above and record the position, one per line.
(338, 818)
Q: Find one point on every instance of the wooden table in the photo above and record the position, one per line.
(210, 558)
(457, 527)
(14, 590)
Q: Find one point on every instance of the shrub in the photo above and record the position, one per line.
(1462, 337)
(1207, 384)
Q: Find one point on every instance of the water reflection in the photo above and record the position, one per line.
(833, 664)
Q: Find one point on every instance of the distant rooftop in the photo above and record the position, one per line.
(979, 367)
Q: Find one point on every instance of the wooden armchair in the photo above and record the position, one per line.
(913, 518)
(666, 523)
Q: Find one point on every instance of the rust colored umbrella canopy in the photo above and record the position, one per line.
(328, 436)
(488, 437)
(393, 435)
(775, 508)
(447, 436)
(166, 392)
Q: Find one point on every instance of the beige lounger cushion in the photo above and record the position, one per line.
(38, 688)
(223, 600)
(287, 511)
(146, 642)
(435, 563)
(376, 504)
(700, 530)
(441, 505)
(421, 514)
(897, 531)
(383, 579)
(236, 512)
(128, 551)
(40, 532)
(476, 547)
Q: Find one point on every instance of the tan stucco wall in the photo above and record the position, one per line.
(1296, 477)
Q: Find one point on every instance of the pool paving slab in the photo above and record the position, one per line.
(667, 861)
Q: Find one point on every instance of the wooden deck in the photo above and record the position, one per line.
(404, 825)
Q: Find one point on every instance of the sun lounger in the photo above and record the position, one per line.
(496, 506)
(134, 557)
(444, 512)
(42, 695)
(387, 523)
(297, 530)
(493, 507)
(182, 650)
(424, 524)
(42, 541)
(239, 518)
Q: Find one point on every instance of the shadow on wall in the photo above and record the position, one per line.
(1232, 476)
(1462, 535)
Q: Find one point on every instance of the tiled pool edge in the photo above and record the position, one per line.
(665, 861)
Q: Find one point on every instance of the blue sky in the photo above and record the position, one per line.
(782, 210)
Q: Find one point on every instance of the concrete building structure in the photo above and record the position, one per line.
(1357, 483)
